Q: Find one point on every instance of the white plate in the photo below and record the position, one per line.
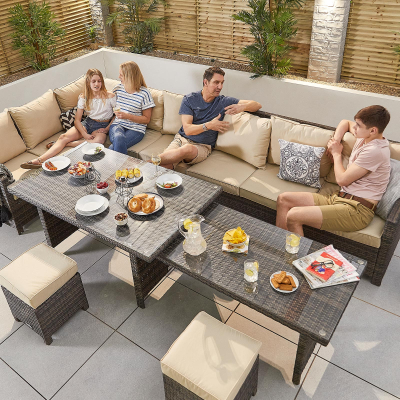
(99, 211)
(90, 148)
(168, 178)
(131, 180)
(157, 197)
(60, 162)
(296, 281)
(90, 203)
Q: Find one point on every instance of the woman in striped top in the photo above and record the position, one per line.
(133, 109)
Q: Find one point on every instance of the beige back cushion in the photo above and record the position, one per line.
(111, 83)
(38, 120)
(348, 142)
(12, 144)
(247, 138)
(298, 133)
(157, 115)
(67, 96)
(172, 120)
(395, 151)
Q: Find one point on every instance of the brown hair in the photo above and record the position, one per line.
(374, 116)
(209, 73)
(88, 91)
(133, 77)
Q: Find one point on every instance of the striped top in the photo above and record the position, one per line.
(133, 103)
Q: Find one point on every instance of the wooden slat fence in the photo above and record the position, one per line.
(71, 14)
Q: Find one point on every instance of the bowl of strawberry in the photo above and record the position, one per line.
(102, 187)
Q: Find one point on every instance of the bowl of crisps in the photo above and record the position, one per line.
(235, 237)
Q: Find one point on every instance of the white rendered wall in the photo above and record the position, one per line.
(303, 100)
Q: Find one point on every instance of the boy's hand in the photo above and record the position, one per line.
(334, 147)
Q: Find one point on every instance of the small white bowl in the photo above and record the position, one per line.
(123, 222)
(102, 191)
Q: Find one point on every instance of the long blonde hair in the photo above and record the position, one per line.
(88, 91)
(133, 78)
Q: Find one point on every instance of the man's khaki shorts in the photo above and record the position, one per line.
(203, 150)
(340, 214)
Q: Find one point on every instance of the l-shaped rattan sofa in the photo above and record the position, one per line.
(245, 163)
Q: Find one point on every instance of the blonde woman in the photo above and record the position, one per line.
(98, 105)
(133, 110)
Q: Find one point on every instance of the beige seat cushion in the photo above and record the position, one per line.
(172, 120)
(223, 169)
(149, 138)
(14, 165)
(37, 274)
(298, 133)
(11, 143)
(111, 83)
(247, 138)
(41, 147)
(157, 115)
(67, 96)
(211, 359)
(264, 187)
(38, 120)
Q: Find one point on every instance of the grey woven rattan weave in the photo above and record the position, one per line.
(144, 237)
(175, 391)
(313, 313)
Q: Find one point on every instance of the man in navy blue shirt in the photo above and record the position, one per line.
(202, 118)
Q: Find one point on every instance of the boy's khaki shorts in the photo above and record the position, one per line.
(203, 150)
(340, 214)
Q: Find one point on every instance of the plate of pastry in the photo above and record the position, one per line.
(131, 175)
(284, 282)
(145, 203)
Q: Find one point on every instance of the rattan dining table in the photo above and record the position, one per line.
(55, 195)
(314, 314)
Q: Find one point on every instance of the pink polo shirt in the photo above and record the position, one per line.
(375, 157)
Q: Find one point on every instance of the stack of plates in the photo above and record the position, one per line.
(90, 205)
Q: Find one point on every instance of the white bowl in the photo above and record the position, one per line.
(169, 178)
(90, 148)
(102, 191)
(90, 203)
(123, 222)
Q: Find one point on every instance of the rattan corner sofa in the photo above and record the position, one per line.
(245, 163)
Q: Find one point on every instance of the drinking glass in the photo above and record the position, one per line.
(251, 271)
(292, 243)
(156, 160)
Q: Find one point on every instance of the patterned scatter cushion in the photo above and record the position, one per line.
(67, 118)
(300, 163)
(392, 192)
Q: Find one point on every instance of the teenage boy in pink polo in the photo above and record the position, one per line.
(362, 184)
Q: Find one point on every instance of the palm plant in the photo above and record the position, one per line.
(139, 32)
(272, 25)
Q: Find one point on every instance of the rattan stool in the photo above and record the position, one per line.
(211, 360)
(43, 289)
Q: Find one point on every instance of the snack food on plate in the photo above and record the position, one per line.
(235, 236)
(148, 205)
(49, 165)
(143, 202)
(130, 173)
(135, 204)
(118, 174)
(121, 216)
(141, 196)
(283, 281)
(80, 168)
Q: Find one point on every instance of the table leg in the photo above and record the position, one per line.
(146, 276)
(55, 229)
(304, 351)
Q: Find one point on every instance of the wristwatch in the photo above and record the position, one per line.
(204, 127)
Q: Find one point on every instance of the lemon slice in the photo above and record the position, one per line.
(294, 240)
(256, 265)
(187, 223)
(249, 272)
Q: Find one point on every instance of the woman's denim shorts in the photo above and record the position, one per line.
(91, 125)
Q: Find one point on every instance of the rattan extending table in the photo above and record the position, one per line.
(315, 314)
(144, 237)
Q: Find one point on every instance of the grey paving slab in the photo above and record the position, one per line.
(157, 326)
(47, 368)
(12, 245)
(13, 387)
(366, 343)
(119, 370)
(325, 381)
(111, 299)
(397, 251)
(386, 296)
(3, 259)
(8, 325)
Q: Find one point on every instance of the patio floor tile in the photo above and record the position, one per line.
(366, 344)
(277, 357)
(13, 387)
(157, 326)
(110, 299)
(386, 296)
(8, 324)
(119, 370)
(397, 251)
(47, 368)
(325, 381)
(32, 236)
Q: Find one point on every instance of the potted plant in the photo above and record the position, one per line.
(92, 33)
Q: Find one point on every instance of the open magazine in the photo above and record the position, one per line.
(326, 267)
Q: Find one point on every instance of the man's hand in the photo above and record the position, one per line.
(235, 109)
(335, 147)
(122, 115)
(217, 125)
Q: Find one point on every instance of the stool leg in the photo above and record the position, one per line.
(48, 340)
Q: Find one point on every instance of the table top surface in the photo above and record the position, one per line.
(315, 313)
(145, 236)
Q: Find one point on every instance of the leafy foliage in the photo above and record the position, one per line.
(92, 32)
(272, 27)
(36, 33)
(139, 32)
